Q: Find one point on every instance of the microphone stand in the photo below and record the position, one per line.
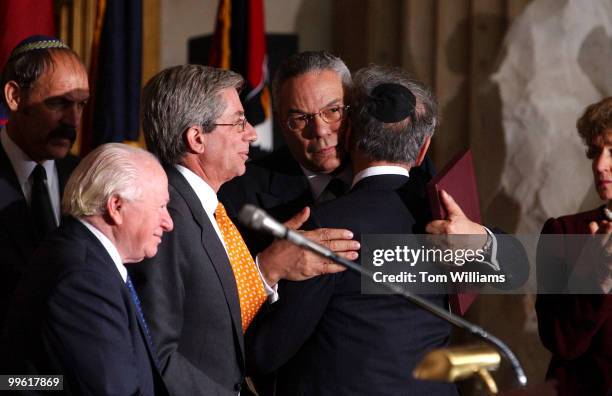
(266, 223)
(434, 309)
(257, 219)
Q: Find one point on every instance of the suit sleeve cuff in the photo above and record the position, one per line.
(491, 251)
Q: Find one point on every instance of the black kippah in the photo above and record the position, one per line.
(391, 103)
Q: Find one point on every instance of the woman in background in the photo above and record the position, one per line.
(577, 328)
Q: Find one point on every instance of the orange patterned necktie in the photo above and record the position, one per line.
(251, 292)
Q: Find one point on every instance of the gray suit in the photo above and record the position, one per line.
(190, 300)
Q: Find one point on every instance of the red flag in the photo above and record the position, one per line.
(23, 18)
(20, 19)
(239, 44)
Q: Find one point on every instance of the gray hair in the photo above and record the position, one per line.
(178, 98)
(397, 142)
(110, 169)
(304, 62)
(26, 68)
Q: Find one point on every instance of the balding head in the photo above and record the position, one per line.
(45, 91)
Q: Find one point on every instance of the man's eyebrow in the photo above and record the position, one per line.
(330, 103)
(69, 97)
(238, 113)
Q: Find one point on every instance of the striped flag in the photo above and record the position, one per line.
(20, 19)
(239, 44)
(115, 75)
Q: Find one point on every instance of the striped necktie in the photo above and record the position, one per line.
(141, 317)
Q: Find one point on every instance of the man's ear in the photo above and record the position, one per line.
(114, 209)
(423, 151)
(12, 95)
(195, 139)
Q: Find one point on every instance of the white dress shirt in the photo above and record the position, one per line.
(208, 199)
(24, 166)
(380, 170)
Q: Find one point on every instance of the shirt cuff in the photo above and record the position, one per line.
(271, 292)
(493, 250)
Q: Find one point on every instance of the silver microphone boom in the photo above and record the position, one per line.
(259, 220)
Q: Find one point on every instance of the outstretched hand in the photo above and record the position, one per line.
(284, 260)
(457, 223)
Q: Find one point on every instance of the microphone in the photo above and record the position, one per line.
(258, 220)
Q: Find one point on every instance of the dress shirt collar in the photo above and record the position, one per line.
(22, 164)
(318, 181)
(209, 201)
(110, 248)
(205, 193)
(23, 167)
(380, 170)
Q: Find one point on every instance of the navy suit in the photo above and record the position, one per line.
(73, 315)
(190, 299)
(277, 184)
(327, 338)
(18, 237)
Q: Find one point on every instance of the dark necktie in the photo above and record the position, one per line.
(145, 327)
(42, 211)
(334, 189)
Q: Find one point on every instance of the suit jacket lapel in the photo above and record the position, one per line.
(95, 246)
(14, 212)
(289, 190)
(213, 247)
(289, 182)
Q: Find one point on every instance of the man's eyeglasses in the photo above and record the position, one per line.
(330, 115)
(242, 123)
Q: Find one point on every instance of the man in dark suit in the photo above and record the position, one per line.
(309, 88)
(44, 88)
(202, 290)
(76, 313)
(324, 336)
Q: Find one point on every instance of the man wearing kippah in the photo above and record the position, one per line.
(326, 337)
(44, 87)
(308, 93)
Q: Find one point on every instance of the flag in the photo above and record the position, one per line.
(20, 19)
(114, 75)
(239, 44)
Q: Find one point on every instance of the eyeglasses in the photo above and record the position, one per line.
(242, 122)
(330, 115)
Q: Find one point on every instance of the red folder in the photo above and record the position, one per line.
(458, 179)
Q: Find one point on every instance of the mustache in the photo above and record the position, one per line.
(63, 132)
